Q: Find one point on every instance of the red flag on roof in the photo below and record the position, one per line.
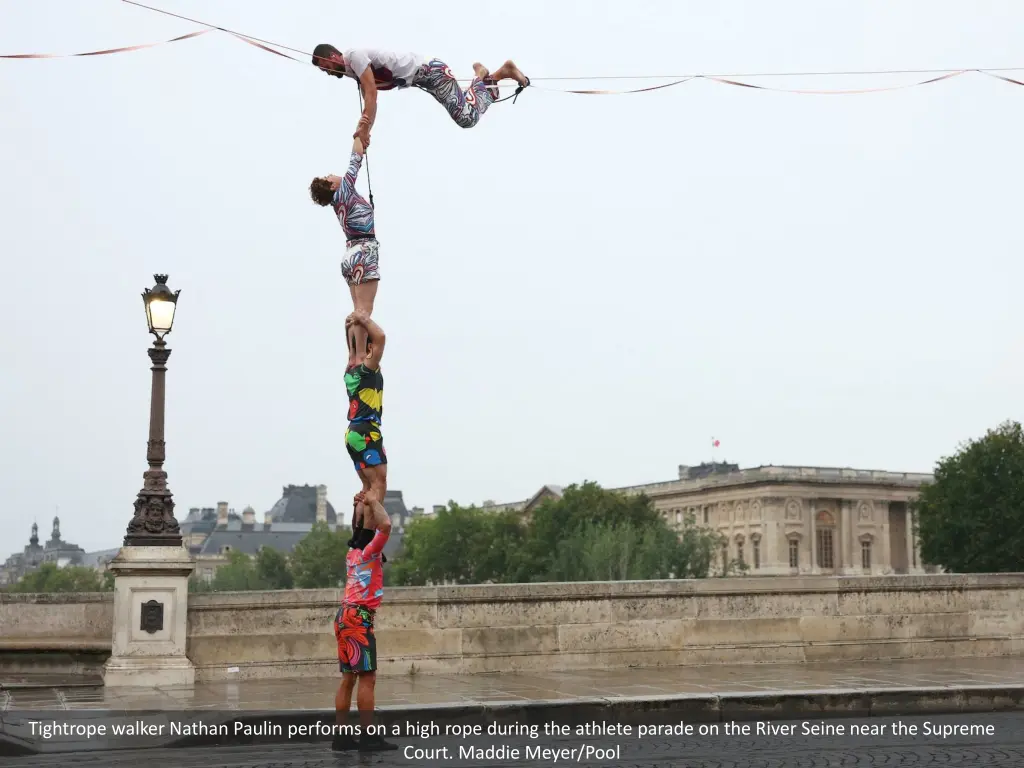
(715, 442)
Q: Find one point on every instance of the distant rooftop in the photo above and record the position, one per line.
(250, 542)
(723, 474)
(781, 474)
(298, 505)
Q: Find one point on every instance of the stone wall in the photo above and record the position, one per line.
(69, 634)
(498, 628)
(56, 621)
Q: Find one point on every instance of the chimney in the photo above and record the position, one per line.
(248, 518)
(321, 503)
(417, 511)
(267, 522)
(439, 508)
(684, 472)
(222, 514)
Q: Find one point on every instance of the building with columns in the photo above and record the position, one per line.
(791, 520)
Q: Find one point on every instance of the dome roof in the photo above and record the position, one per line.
(298, 505)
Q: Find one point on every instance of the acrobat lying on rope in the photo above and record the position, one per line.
(385, 71)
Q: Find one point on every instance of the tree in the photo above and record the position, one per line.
(273, 570)
(269, 569)
(237, 575)
(971, 518)
(318, 561)
(608, 535)
(72, 578)
(197, 584)
(588, 534)
(460, 545)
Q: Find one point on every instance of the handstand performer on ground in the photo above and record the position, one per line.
(384, 71)
(353, 625)
(365, 385)
(359, 267)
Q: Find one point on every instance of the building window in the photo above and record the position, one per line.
(225, 549)
(725, 557)
(756, 546)
(826, 549)
(679, 516)
(865, 555)
(739, 552)
(794, 553)
(705, 515)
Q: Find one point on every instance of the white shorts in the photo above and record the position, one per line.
(360, 262)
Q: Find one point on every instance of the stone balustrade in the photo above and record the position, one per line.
(592, 625)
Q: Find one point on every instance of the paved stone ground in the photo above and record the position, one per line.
(427, 690)
(1004, 749)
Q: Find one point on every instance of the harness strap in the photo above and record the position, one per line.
(366, 152)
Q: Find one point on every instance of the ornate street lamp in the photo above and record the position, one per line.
(154, 524)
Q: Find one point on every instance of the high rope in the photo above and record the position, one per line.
(726, 79)
(366, 152)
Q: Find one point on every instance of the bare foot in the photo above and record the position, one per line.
(484, 75)
(511, 70)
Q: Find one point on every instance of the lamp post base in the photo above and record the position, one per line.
(148, 673)
(153, 524)
(150, 612)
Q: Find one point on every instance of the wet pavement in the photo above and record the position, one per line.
(485, 689)
(997, 740)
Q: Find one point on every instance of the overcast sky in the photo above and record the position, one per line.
(582, 287)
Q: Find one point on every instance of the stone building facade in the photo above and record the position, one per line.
(55, 550)
(801, 520)
(791, 520)
(212, 534)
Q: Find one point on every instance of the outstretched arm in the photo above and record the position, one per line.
(369, 88)
(355, 160)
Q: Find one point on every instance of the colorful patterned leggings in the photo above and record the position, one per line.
(465, 107)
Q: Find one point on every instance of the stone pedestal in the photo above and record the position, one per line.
(150, 603)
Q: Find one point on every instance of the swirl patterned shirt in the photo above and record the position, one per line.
(354, 213)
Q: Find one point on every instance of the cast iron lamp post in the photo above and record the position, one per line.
(154, 524)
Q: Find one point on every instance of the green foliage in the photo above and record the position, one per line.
(971, 518)
(199, 585)
(72, 578)
(237, 575)
(462, 545)
(318, 561)
(273, 569)
(588, 534)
